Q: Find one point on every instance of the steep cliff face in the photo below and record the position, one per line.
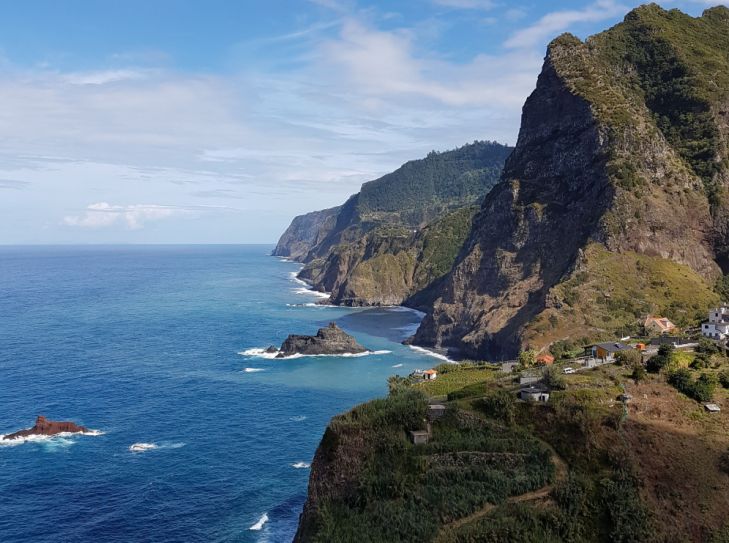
(383, 244)
(304, 232)
(622, 145)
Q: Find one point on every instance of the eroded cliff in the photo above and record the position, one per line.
(622, 151)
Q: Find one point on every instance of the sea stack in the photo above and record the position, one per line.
(331, 340)
(44, 427)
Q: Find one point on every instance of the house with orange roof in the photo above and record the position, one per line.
(429, 375)
(658, 325)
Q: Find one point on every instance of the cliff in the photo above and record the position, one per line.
(383, 245)
(613, 203)
(580, 467)
(304, 232)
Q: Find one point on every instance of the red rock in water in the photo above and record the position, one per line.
(44, 427)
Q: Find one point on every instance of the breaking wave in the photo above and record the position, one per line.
(64, 439)
(261, 353)
(432, 353)
(145, 447)
(259, 525)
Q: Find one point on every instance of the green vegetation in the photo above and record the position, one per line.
(440, 181)
(403, 492)
(700, 389)
(613, 292)
(454, 377)
(656, 363)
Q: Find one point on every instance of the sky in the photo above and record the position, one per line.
(210, 121)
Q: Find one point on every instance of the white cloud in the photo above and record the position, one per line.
(557, 21)
(102, 214)
(384, 64)
(103, 77)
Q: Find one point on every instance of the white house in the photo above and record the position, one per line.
(534, 393)
(718, 325)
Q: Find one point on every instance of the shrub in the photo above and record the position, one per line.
(554, 379)
(666, 350)
(704, 387)
(707, 346)
(628, 358)
(562, 349)
(656, 363)
(701, 390)
(501, 406)
(702, 361)
(724, 378)
(638, 372)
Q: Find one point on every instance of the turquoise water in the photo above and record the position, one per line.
(142, 344)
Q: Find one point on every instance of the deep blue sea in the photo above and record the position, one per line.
(142, 344)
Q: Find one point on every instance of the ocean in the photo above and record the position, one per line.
(147, 345)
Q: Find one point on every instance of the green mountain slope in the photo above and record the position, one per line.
(400, 233)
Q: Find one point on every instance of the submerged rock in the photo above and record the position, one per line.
(330, 340)
(44, 427)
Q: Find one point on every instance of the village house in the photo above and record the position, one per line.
(419, 437)
(534, 393)
(429, 375)
(607, 351)
(658, 325)
(718, 325)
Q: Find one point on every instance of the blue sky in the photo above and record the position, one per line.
(218, 121)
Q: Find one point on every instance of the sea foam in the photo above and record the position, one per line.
(301, 465)
(261, 353)
(62, 439)
(432, 353)
(253, 370)
(259, 525)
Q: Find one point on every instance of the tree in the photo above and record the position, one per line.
(554, 379)
(628, 358)
(528, 358)
(666, 350)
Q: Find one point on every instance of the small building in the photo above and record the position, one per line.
(640, 346)
(718, 325)
(534, 393)
(712, 407)
(419, 437)
(545, 359)
(429, 375)
(528, 378)
(436, 411)
(607, 351)
(658, 325)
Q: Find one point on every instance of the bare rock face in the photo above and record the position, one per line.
(606, 156)
(331, 340)
(44, 427)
